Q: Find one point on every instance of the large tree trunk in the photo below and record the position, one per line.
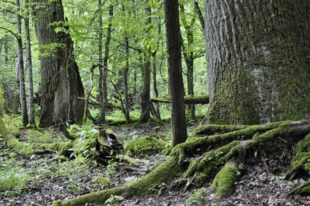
(258, 67)
(175, 72)
(61, 85)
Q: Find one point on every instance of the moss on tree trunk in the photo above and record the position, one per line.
(258, 69)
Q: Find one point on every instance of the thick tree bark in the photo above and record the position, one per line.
(258, 69)
(29, 65)
(145, 94)
(21, 71)
(173, 35)
(61, 86)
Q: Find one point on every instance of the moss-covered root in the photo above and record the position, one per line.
(3, 130)
(211, 129)
(164, 173)
(13, 142)
(301, 158)
(303, 189)
(95, 197)
(225, 179)
(12, 128)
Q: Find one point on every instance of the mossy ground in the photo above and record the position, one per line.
(145, 145)
(203, 158)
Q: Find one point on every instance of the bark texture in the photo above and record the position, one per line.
(21, 71)
(29, 66)
(104, 103)
(258, 60)
(175, 71)
(189, 55)
(146, 89)
(61, 85)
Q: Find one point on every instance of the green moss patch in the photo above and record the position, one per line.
(301, 160)
(224, 180)
(145, 145)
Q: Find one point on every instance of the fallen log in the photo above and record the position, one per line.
(187, 99)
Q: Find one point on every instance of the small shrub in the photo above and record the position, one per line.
(12, 181)
(197, 196)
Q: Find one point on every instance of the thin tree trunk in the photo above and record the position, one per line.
(125, 78)
(89, 93)
(104, 104)
(145, 94)
(100, 55)
(173, 35)
(199, 13)
(189, 56)
(155, 86)
(29, 65)
(21, 69)
(6, 53)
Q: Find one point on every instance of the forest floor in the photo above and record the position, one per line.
(41, 179)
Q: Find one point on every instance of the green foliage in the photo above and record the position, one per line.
(130, 179)
(197, 196)
(47, 136)
(103, 180)
(111, 167)
(113, 199)
(84, 144)
(13, 181)
(156, 188)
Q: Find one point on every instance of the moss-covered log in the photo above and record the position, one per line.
(187, 99)
(206, 157)
(98, 146)
(11, 134)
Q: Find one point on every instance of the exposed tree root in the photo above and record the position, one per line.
(212, 152)
(202, 157)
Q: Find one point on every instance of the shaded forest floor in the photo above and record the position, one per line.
(41, 179)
